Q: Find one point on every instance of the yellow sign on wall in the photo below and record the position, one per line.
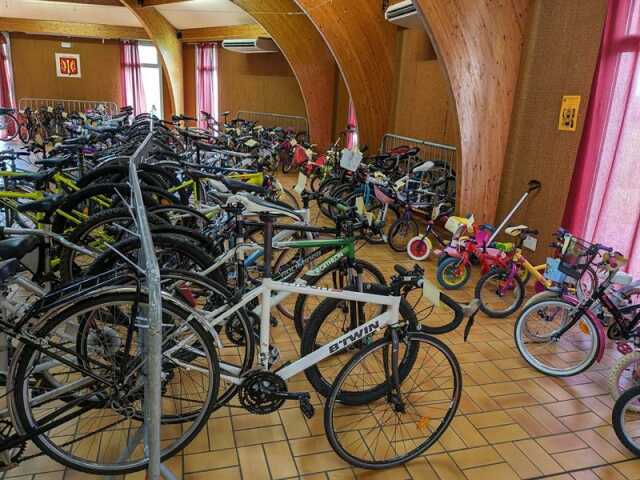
(568, 120)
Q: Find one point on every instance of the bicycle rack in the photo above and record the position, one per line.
(69, 105)
(266, 119)
(152, 324)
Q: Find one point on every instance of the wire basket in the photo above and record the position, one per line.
(577, 255)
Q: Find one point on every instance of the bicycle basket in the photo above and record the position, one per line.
(576, 257)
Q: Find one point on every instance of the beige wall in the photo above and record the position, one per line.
(35, 69)
(553, 65)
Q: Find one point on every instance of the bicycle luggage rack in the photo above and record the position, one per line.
(152, 324)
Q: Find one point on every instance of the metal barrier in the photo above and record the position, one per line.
(149, 321)
(295, 122)
(69, 105)
(428, 150)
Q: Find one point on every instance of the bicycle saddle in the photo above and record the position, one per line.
(516, 231)
(236, 186)
(18, 247)
(56, 162)
(254, 205)
(424, 167)
(34, 177)
(47, 205)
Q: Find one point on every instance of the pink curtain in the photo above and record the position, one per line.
(131, 77)
(6, 95)
(207, 81)
(604, 200)
(352, 137)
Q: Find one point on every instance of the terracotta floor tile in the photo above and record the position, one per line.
(253, 463)
(490, 419)
(561, 443)
(198, 462)
(280, 460)
(539, 457)
(476, 457)
(260, 435)
(582, 421)
(578, 459)
(518, 461)
(319, 462)
(608, 473)
(504, 433)
(445, 467)
(502, 471)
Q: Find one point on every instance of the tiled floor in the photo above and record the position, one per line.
(513, 422)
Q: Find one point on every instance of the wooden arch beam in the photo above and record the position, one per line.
(479, 43)
(166, 40)
(363, 44)
(308, 56)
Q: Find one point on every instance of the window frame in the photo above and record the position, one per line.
(157, 66)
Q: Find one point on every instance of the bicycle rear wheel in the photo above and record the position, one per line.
(403, 419)
(94, 423)
(626, 419)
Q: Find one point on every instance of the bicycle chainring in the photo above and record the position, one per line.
(9, 458)
(257, 392)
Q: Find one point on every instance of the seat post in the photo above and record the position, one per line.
(267, 234)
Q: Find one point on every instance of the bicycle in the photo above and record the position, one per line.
(626, 419)
(547, 329)
(264, 391)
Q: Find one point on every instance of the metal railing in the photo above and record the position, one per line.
(68, 105)
(295, 122)
(428, 150)
(150, 320)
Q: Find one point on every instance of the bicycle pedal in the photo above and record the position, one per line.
(306, 408)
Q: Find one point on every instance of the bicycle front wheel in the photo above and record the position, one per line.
(92, 419)
(8, 127)
(540, 344)
(403, 420)
(626, 419)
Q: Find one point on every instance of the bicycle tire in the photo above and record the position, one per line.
(395, 230)
(490, 311)
(338, 432)
(22, 399)
(618, 419)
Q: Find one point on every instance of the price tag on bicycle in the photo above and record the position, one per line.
(50, 109)
(530, 243)
(350, 159)
(431, 292)
(301, 184)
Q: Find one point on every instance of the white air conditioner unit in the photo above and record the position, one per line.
(404, 14)
(250, 45)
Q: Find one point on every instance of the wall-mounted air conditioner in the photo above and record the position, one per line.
(250, 45)
(404, 14)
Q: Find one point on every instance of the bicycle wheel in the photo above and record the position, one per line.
(98, 421)
(625, 418)
(499, 297)
(8, 127)
(419, 248)
(624, 375)
(337, 276)
(536, 337)
(401, 232)
(452, 273)
(332, 319)
(405, 417)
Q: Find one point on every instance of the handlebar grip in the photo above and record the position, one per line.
(534, 185)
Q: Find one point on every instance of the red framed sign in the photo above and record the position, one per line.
(68, 65)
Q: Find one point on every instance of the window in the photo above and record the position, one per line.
(151, 78)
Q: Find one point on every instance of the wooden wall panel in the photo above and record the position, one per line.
(308, 55)
(189, 79)
(479, 44)
(165, 38)
(261, 82)
(423, 105)
(553, 65)
(363, 44)
(34, 68)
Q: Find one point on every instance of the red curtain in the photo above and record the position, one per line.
(604, 200)
(131, 77)
(352, 121)
(206, 81)
(6, 95)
